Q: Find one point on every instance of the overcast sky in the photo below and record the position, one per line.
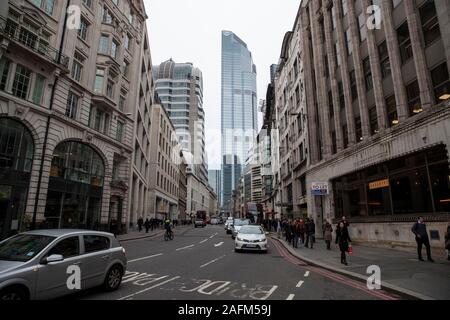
(190, 31)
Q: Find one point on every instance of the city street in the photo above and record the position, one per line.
(200, 264)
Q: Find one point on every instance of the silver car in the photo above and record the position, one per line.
(44, 264)
(238, 223)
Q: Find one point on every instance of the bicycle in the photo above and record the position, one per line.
(168, 236)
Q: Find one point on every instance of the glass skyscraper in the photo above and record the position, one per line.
(239, 113)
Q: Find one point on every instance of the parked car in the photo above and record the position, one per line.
(237, 224)
(214, 221)
(199, 223)
(251, 237)
(35, 264)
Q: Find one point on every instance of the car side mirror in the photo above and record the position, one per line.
(53, 258)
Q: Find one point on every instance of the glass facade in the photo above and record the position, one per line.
(415, 184)
(239, 115)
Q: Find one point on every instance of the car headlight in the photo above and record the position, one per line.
(239, 239)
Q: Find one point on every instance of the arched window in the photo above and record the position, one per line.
(16, 146)
(78, 162)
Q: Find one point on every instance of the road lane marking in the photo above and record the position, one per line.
(299, 284)
(290, 297)
(306, 274)
(212, 261)
(204, 241)
(218, 244)
(145, 258)
(149, 288)
(185, 247)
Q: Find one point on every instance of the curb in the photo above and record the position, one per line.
(389, 286)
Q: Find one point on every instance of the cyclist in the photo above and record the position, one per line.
(168, 226)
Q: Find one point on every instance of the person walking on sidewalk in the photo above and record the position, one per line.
(447, 241)
(296, 234)
(147, 225)
(140, 223)
(420, 230)
(301, 230)
(328, 234)
(343, 240)
(310, 232)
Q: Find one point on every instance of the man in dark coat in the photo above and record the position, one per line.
(310, 229)
(420, 230)
(140, 223)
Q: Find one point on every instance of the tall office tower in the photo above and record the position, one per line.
(214, 179)
(239, 117)
(180, 89)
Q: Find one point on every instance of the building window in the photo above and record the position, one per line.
(330, 104)
(104, 44)
(341, 95)
(358, 129)
(87, 3)
(348, 41)
(21, 82)
(72, 105)
(125, 68)
(82, 32)
(101, 120)
(122, 103)
(391, 108)
(77, 66)
(99, 78)
(4, 71)
(110, 89)
(126, 41)
(362, 27)
(38, 91)
(354, 87)
(384, 59)
(373, 120)
(430, 23)
(130, 17)
(404, 42)
(46, 5)
(114, 49)
(367, 74)
(441, 82)
(107, 16)
(120, 131)
(413, 94)
(345, 135)
(395, 3)
(28, 35)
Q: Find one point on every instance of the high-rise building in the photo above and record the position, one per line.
(215, 181)
(239, 113)
(180, 89)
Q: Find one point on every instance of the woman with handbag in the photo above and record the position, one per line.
(344, 241)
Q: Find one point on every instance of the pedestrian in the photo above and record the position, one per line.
(328, 234)
(447, 241)
(147, 225)
(140, 223)
(420, 230)
(310, 230)
(344, 241)
(301, 227)
(296, 233)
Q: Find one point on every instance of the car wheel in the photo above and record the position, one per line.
(237, 250)
(13, 294)
(113, 278)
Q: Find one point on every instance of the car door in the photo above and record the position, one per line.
(96, 257)
(52, 277)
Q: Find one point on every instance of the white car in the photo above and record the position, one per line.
(251, 238)
(229, 225)
(237, 224)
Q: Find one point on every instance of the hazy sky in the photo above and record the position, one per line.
(190, 31)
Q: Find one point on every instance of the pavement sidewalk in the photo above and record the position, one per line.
(400, 271)
(159, 232)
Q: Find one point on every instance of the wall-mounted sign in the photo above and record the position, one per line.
(319, 188)
(379, 184)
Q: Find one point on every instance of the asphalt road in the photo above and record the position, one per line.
(200, 264)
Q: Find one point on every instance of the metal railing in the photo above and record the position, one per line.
(13, 31)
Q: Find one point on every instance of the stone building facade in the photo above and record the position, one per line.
(65, 98)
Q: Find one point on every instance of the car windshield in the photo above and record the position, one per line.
(23, 247)
(241, 222)
(251, 230)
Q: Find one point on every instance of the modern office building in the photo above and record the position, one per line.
(214, 180)
(66, 137)
(180, 89)
(239, 110)
(378, 109)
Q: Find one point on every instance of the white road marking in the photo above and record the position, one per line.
(212, 261)
(145, 258)
(185, 247)
(149, 288)
(306, 273)
(218, 244)
(290, 297)
(299, 284)
(204, 241)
